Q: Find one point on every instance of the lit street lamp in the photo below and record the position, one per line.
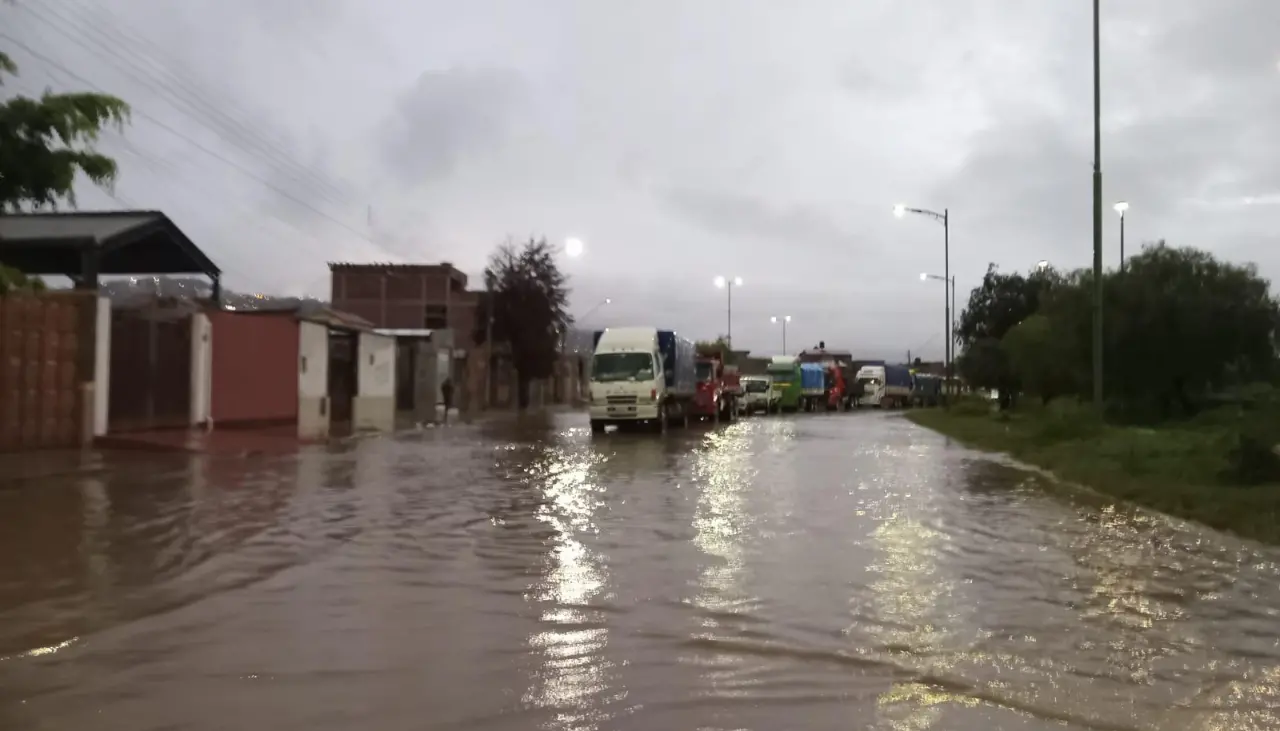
(784, 320)
(1120, 208)
(573, 247)
(943, 218)
(1042, 265)
(727, 284)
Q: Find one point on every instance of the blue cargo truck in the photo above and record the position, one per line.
(813, 386)
(641, 376)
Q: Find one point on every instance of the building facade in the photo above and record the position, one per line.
(407, 296)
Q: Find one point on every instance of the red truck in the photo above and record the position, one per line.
(837, 388)
(717, 396)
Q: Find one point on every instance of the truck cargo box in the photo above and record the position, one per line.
(679, 363)
(813, 377)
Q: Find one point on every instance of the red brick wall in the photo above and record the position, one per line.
(397, 296)
(255, 367)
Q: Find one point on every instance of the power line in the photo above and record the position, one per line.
(204, 112)
(231, 163)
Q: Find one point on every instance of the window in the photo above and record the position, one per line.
(705, 372)
(436, 317)
(607, 367)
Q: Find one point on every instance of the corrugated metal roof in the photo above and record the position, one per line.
(35, 227)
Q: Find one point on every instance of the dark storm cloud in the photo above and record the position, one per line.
(447, 115)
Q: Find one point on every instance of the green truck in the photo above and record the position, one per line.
(785, 371)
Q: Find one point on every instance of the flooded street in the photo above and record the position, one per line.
(823, 572)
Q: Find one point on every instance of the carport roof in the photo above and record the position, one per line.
(125, 242)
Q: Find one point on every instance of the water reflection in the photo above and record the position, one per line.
(722, 473)
(574, 680)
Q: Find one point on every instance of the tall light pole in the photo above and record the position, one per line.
(1097, 210)
(784, 320)
(1120, 208)
(727, 284)
(945, 219)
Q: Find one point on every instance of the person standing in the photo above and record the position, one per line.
(446, 393)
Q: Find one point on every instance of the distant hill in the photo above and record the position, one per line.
(124, 291)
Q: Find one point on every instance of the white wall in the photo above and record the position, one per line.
(313, 360)
(201, 368)
(313, 380)
(102, 367)
(377, 370)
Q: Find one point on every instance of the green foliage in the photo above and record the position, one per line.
(45, 142)
(1180, 328)
(1038, 357)
(12, 280)
(528, 299)
(717, 347)
(1220, 469)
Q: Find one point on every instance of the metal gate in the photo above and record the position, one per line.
(150, 368)
(344, 346)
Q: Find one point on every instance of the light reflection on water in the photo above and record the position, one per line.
(574, 680)
(807, 573)
(722, 472)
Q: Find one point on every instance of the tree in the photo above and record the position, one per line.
(718, 347)
(528, 300)
(984, 364)
(1000, 302)
(1181, 325)
(45, 142)
(1038, 358)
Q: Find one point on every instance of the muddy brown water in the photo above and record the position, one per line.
(844, 571)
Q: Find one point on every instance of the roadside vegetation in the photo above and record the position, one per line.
(45, 145)
(1191, 421)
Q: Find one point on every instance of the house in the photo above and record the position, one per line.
(321, 371)
(77, 366)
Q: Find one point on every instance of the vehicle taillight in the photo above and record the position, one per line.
(653, 394)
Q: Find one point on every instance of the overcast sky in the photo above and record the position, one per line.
(682, 139)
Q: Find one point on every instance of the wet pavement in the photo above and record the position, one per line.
(844, 571)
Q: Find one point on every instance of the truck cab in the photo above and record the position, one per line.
(715, 399)
(758, 395)
(627, 380)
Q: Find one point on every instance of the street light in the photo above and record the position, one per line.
(573, 247)
(1120, 208)
(727, 284)
(924, 277)
(1042, 265)
(784, 320)
(943, 218)
(598, 305)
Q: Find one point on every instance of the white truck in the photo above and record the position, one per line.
(641, 376)
(884, 386)
(758, 395)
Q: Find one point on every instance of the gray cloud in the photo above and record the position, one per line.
(447, 115)
(684, 140)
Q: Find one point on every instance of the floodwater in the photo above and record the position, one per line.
(844, 571)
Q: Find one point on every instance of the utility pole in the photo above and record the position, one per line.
(1097, 209)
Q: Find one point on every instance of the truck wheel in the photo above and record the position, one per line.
(597, 426)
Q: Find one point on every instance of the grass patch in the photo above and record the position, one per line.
(1219, 469)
